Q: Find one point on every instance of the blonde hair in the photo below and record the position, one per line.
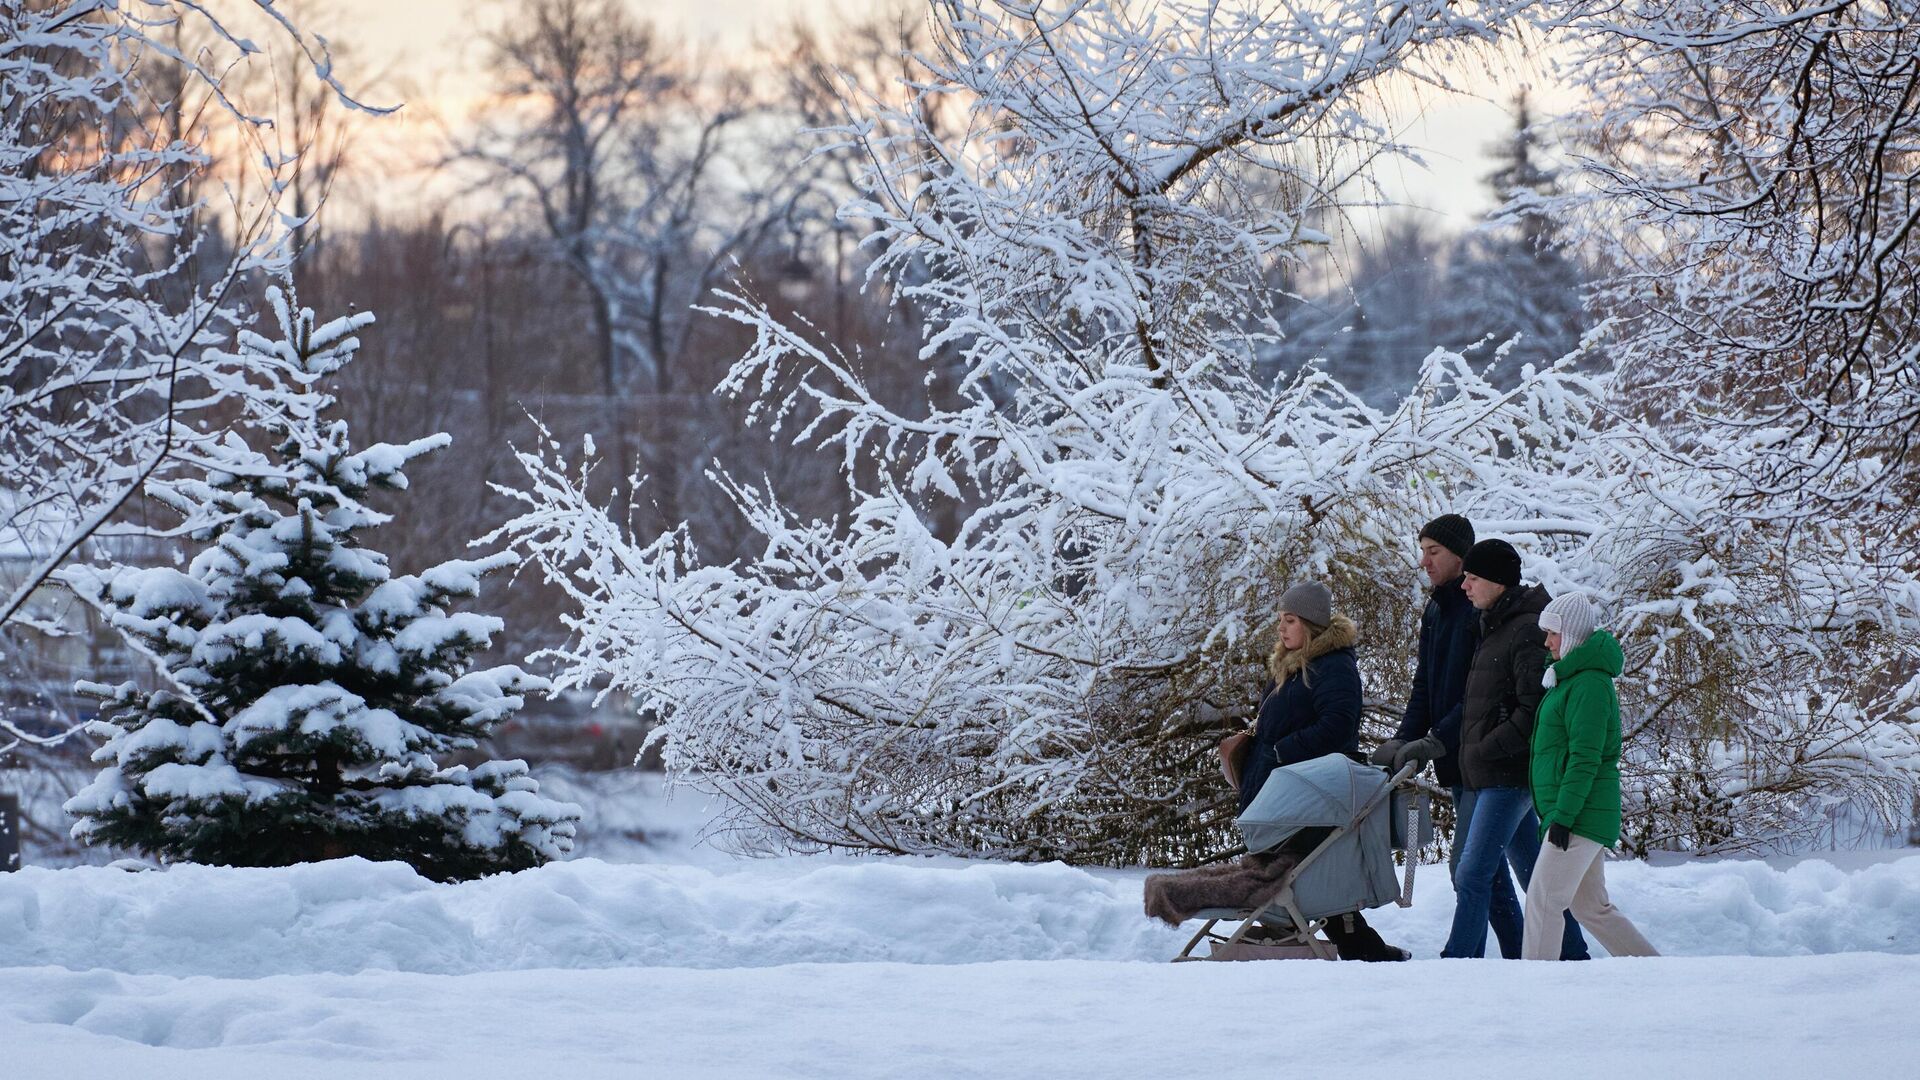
(1339, 633)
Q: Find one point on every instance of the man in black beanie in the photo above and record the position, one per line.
(1430, 727)
(1496, 826)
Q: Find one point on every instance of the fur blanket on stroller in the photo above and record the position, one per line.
(1245, 883)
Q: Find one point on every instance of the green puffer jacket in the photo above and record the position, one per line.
(1576, 743)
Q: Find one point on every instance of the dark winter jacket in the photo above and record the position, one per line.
(1576, 743)
(1448, 629)
(1313, 712)
(1503, 690)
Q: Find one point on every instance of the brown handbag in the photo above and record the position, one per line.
(1233, 755)
(1235, 747)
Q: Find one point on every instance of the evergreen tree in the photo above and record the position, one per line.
(1374, 333)
(1507, 287)
(1512, 278)
(307, 689)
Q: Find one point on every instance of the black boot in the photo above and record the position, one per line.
(1358, 941)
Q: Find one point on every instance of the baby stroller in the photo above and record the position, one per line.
(1365, 816)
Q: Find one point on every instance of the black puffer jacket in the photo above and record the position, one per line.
(1503, 690)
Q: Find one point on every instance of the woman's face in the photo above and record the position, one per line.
(1553, 644)
(1293, 631)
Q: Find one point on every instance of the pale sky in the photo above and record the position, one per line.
(429, 48)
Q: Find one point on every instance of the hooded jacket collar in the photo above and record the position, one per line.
(1517, 601)
(1600, 652)
(1339, 634)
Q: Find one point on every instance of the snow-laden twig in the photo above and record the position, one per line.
(1055, 581)
(108, 386)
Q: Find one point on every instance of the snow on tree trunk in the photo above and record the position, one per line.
(1131, 497)
(309, 690)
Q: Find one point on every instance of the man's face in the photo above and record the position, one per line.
(1481, 592)
(1440, 564)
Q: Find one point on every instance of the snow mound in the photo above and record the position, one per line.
(351, 915)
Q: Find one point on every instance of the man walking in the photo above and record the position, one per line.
(1448, 629)
(1430, 728)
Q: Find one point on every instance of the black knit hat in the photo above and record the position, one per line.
(1450, 531)
(1496, 561)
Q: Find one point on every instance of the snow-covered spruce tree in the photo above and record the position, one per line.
(307, 689)
(1512, 284)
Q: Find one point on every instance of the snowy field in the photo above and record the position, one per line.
(841, 968)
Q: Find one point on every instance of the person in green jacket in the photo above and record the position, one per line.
(1575, 772)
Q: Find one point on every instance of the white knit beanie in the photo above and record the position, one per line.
(1570, 616)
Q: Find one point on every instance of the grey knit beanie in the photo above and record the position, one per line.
(1570, 616)
(1311, 601)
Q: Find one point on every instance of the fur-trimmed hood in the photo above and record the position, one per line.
(1339, 634)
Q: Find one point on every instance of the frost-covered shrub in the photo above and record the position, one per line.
(1131, 497)
(1747, 189)
(306, 689)
(1096, 253)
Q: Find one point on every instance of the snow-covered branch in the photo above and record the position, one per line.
(107, 310)
(1059, 572)
(1754, 193)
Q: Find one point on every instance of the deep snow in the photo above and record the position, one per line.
(351, 915)
(1845, 1016)
(857, 968)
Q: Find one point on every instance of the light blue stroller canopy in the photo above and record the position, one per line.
(1355, 871)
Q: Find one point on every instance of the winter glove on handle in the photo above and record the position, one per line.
(1422, 750)
(1559, 835)
(1387, 752)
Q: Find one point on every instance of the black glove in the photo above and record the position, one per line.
(1386, 752)
(1421, 750)
(1559, 835)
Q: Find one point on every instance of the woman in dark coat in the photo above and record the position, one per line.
(1311, 708)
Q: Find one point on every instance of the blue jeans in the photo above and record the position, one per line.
(1500, 829)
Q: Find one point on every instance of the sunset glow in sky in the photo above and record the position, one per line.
(429, 53)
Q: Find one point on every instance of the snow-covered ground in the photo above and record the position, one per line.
(900, 968)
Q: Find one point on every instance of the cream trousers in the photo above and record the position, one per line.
(1575, 879)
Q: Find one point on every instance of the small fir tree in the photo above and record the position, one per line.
(1513, 289)
(308, 691)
